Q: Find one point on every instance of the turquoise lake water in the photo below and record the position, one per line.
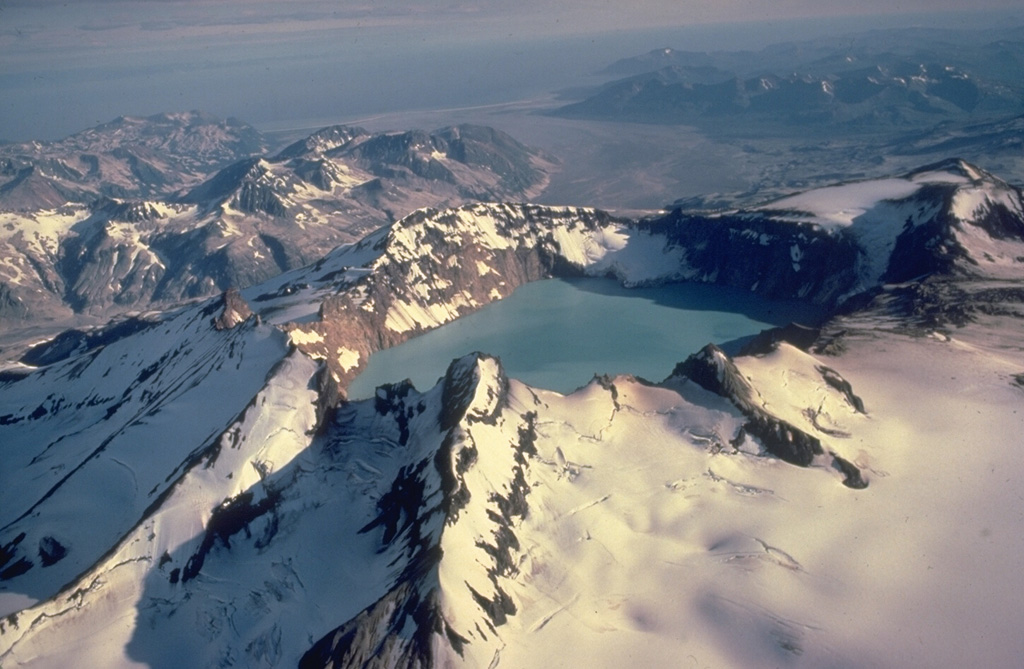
(557, 334)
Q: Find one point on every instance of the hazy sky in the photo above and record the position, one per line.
(546, 15)
(65, 66)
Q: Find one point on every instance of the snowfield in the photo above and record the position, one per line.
(199, 493)
(648, 535)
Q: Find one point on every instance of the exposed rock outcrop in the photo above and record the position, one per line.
(235, 310)
(714, 371)
(426, 503)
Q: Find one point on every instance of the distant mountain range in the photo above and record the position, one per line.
(185, 480)
(128, 158)
(139, 212)
(863, 81)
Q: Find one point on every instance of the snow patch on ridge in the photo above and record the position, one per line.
(834, 207)
(348, 359)
(301, 337)
(112, 429)
(147, 579)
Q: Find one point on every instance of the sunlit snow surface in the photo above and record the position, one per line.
(845, 204)
(876, 212)
(654, 532)
(649, 537)
(112, 429)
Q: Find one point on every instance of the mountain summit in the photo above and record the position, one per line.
(743, 510)
(182, 206)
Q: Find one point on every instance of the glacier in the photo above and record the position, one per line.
(201, 492)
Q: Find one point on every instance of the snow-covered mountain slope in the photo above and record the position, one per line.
(112, 429)
(830, 244)
(97, 255)
(89, 410)
(945, 221)
(486, 523)
(366, 178)
(438, 508)
(969, 219)
(191, 488)
(128, 157)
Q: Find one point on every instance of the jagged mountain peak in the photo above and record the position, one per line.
(713, 370)
(207, 226)
(483, 161)
(322, 141)
(248, 186)
(129, 157)
(128, 211)
(477, 522)
(475, 389)
(448, 521)
(978, 230)
(234, 312)
(538, 461)
(954, 166)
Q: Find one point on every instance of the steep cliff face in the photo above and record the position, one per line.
(774, 258)
(484, 522)
(154, 223)
(829, 245)
(433, 267)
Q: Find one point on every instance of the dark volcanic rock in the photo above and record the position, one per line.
(235, 310)
(51, 551)
(852, 476)
(233, 516)
(753, 252)
(374, 639)
(833, 379)
(712, 370)
(795, 334)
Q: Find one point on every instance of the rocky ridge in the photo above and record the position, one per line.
(948, 224)
(127, 158)
(862, 81)
(469, 505)
(216, 216)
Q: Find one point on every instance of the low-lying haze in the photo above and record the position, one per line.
(67, 66)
